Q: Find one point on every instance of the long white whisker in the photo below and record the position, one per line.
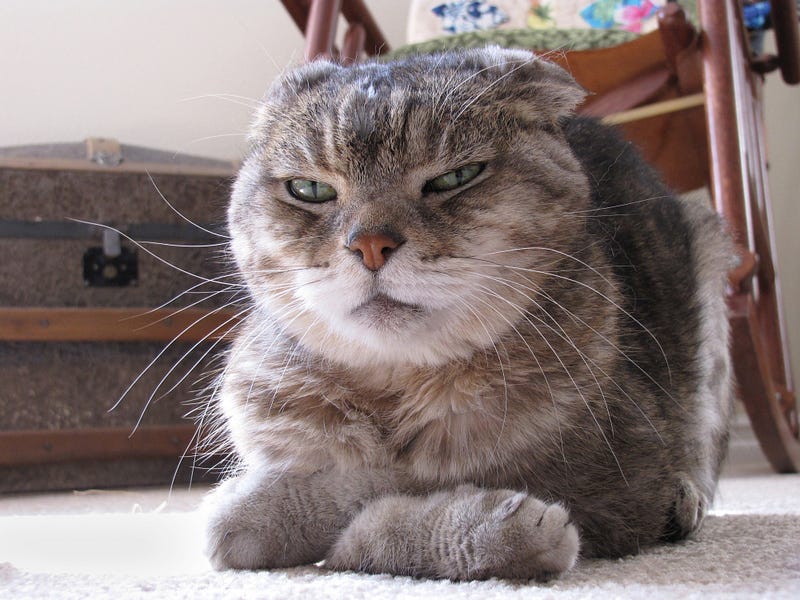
(247, 102)
(568, 373)
(138, 245)
(206, 297)
(502, 373)
(236, 318)
(160, 354)
(173, 245)
(181, 215)
(615, 206)
(607, 299)
(561, 333)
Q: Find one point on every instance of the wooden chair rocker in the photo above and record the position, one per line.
(691, 98)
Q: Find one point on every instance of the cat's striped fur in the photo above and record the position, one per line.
(538, 368)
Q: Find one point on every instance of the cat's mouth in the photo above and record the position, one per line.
(384, 310)
(382, 302)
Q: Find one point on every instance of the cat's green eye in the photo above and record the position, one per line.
(454, 179)
(311, 191)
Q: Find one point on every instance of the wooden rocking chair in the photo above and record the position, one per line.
(692, 100)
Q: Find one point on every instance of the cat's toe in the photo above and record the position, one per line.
(346, 555)
(235, 550)
(240, 532)
(545, 543)
(688, 511)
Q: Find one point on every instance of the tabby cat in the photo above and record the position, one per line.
(483, 339)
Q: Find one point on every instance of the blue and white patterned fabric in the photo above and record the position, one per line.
(474, 15)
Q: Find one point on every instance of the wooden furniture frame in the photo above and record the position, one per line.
(732, 98)
(731, 82)
(23, 447)
(105, 324)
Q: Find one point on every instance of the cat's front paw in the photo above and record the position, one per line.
(688, 510)
(467, 533)
(235, 539)
(532, 540)
(251, 525)
(228, 548)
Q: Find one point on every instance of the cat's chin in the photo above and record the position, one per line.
(385, 313)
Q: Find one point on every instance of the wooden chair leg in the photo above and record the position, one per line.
(739, 188)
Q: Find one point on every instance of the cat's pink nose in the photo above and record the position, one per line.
(373, 248)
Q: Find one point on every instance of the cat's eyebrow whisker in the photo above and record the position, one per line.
(477, 96)
(246, 101)
(478, 73)
(560, 51)
(216, 136)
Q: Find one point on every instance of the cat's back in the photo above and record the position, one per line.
(664, 249)
(670, 255)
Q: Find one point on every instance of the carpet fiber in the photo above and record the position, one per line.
(146, 544)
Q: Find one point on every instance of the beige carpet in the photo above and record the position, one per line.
(146, 544)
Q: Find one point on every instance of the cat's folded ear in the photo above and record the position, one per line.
(286, 89)
(300, 79)
(528, 86)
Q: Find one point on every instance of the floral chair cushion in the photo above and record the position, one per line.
(537, 24)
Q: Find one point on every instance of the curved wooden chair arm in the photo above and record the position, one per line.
(787, 39)
(318, 20)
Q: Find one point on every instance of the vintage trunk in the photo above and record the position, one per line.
(76, 291)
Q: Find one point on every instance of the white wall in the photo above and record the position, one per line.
(170, 73)
(782, 116)
(148, 72)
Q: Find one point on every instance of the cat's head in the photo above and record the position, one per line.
(403, 212)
